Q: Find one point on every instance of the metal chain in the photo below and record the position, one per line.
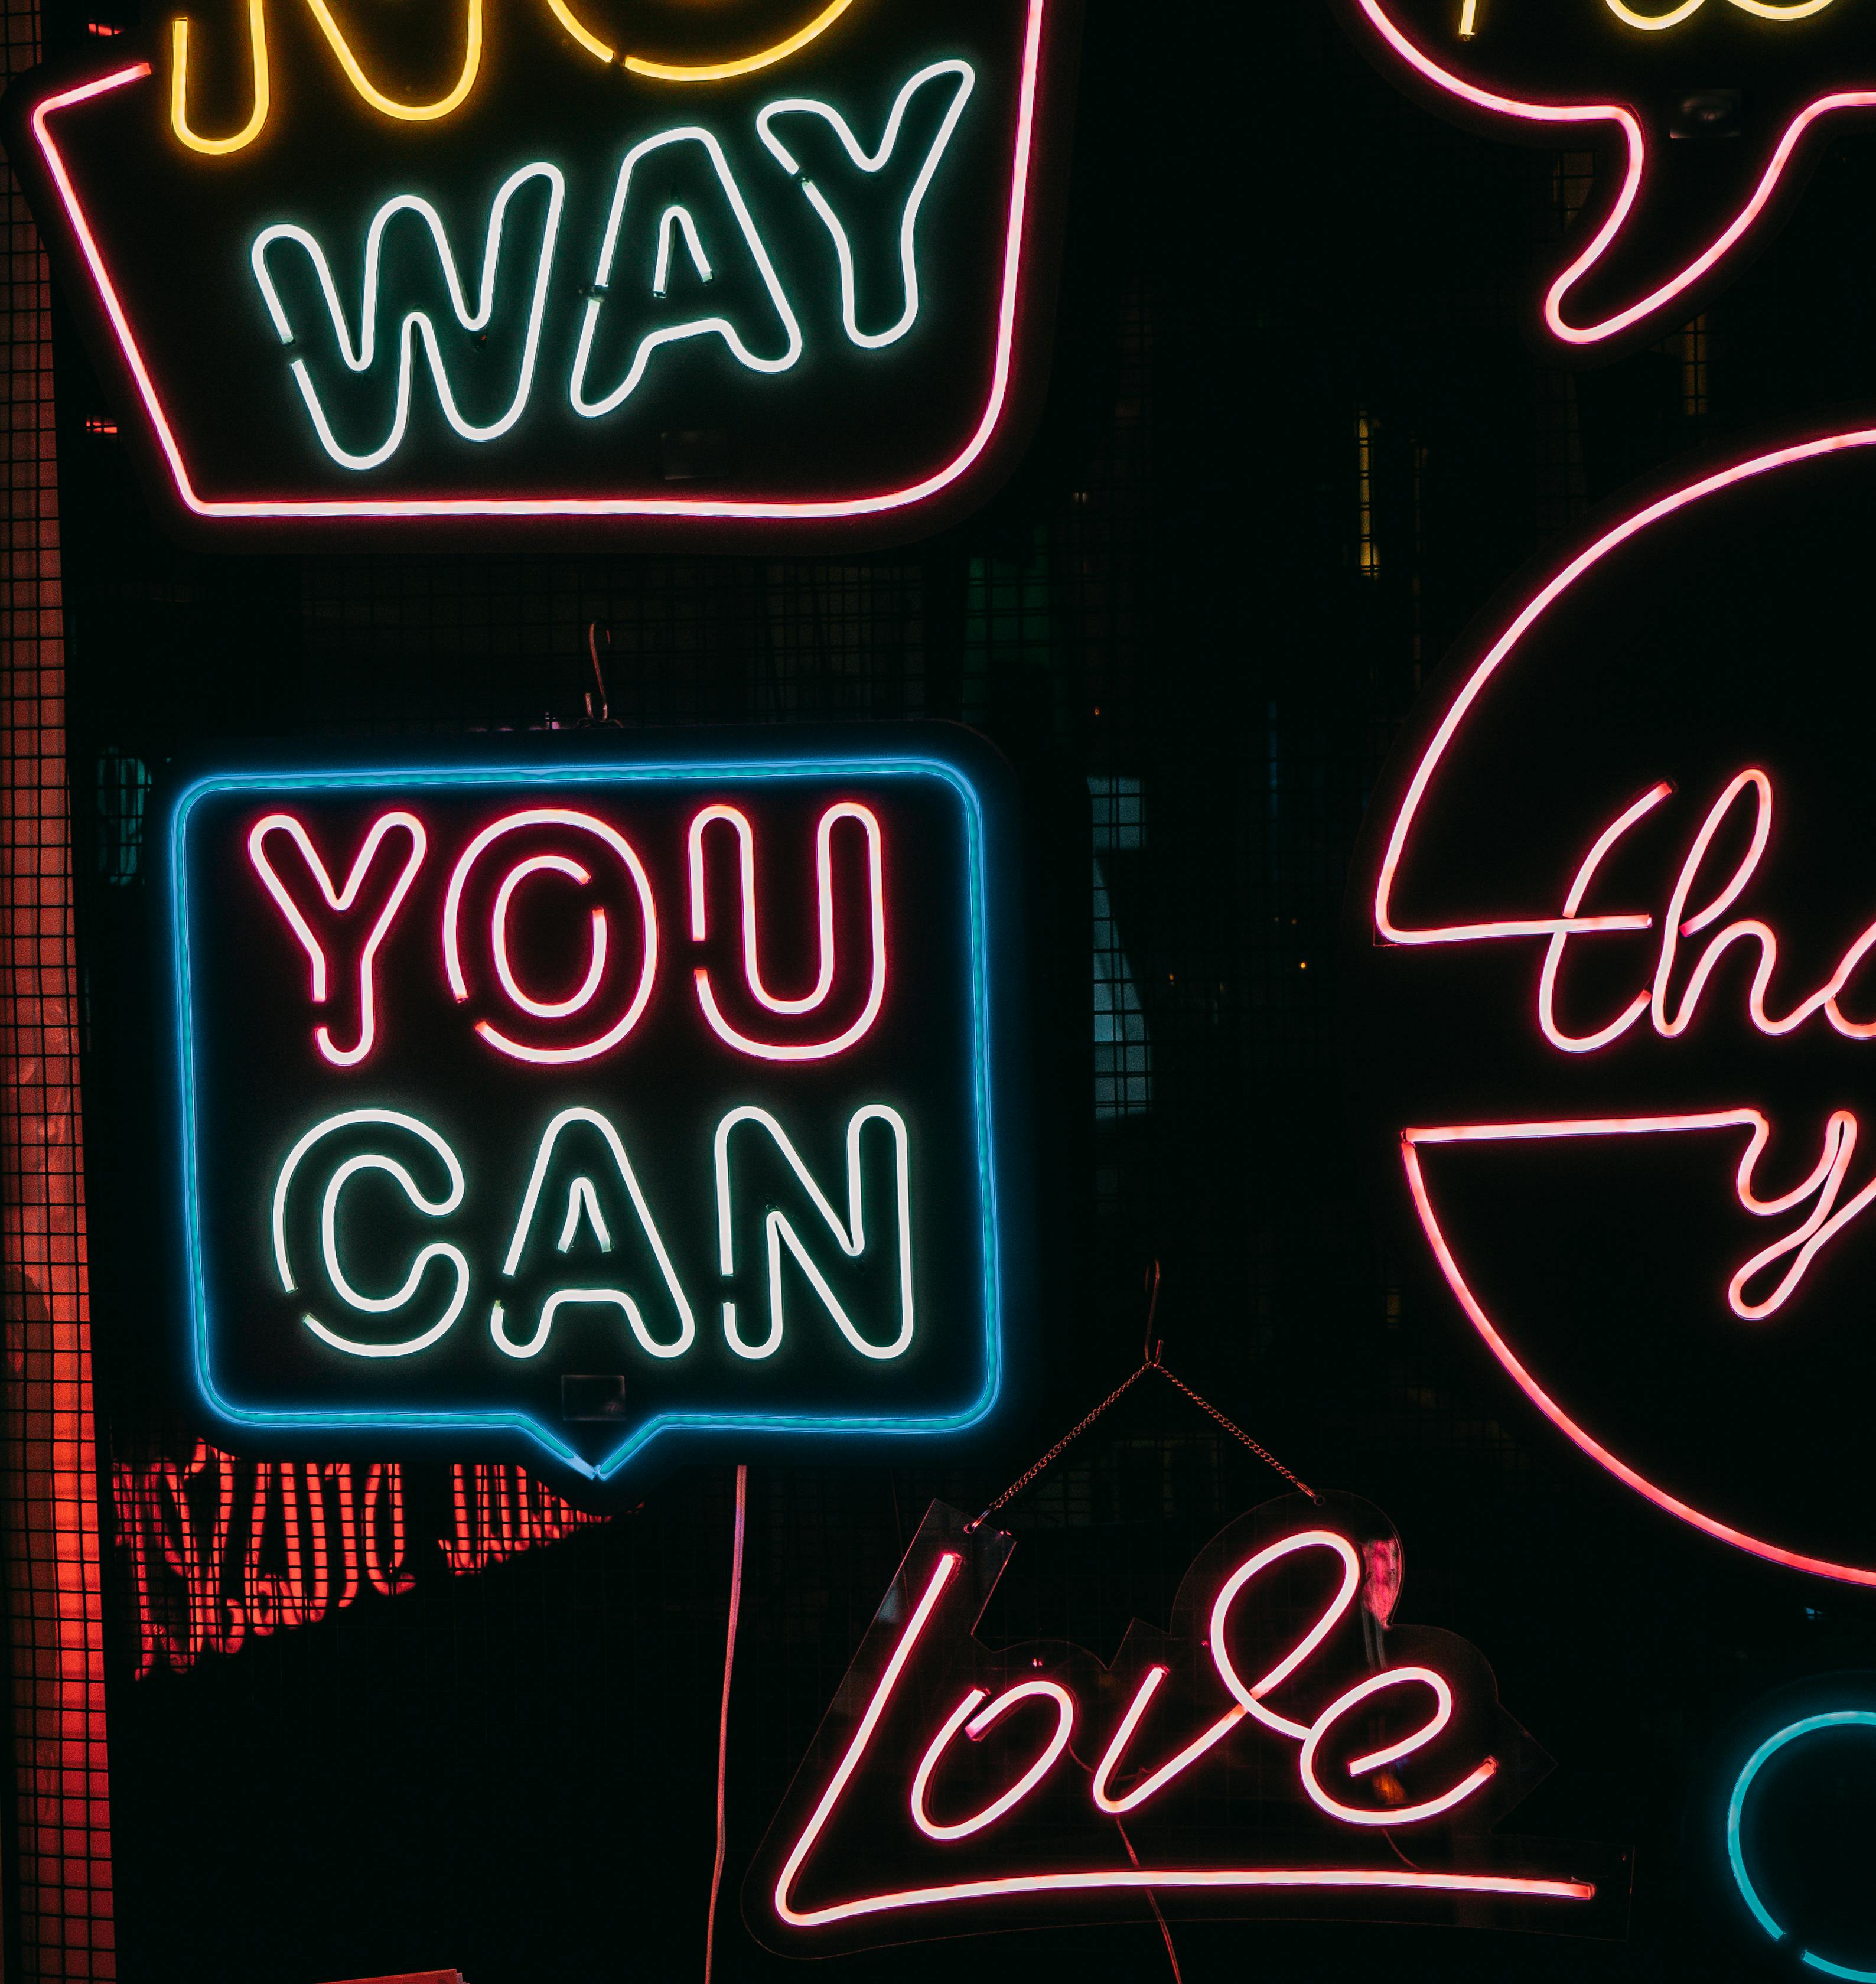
(1120, 1391)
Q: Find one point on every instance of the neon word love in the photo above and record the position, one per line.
(951, 1788)
(582, 1101)
(357, 920)
(1703, 891)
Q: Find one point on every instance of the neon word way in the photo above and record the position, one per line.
(1285, 1749)
(1689, 180)
(766, 276)
(595, 1100)
(1617, 912)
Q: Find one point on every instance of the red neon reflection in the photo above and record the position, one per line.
(1636, 142)
(261, 508)
(824, 894)
(582, 823)
(1416, 1182)
(974, 1719)
(340, 902)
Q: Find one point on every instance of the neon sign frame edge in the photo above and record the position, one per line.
(989, 1121)
(1396, 54)
(1477, 658)
(1024, 311)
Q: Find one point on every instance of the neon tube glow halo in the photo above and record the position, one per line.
(1009, 294)
(1386, 928)
(1676, 289)
(1842, 1718)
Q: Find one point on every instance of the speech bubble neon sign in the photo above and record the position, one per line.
(1689, 179)
(798, 286)
(600, 1100)
(1610, 938)
(1286, 1748)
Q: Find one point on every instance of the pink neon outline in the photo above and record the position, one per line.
(1250, 1699)
(824, 891)
(978, 1725)
(1133, 1877)
(1542, 1399)
(1825, 1221)
(1553, 952)
(1149, 1687)
(338, 901)
(583, 822)
(1529, 614)
(1636, 142)
(572, 506)
(1405, 1814)
(544, 1009)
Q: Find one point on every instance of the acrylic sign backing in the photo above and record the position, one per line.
(1705, 116)
(600, 270)
(1286, 1749)
(1613, 1006)
(592, 1098)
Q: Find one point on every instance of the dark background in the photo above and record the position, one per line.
(1194, 640)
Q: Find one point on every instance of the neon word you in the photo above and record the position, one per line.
(343, 930)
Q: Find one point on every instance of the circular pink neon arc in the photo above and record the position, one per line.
(1392, 932)
(583, 823)
(1636, 140)
(885, 501)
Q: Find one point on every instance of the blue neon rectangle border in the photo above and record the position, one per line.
(590, 774)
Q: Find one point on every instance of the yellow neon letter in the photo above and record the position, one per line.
(779, 51)
(179, 84)
(412, 113)
(580, 31)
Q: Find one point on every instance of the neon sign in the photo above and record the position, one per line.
(1788, 1896)
(600, 1100)
(771, 276)
(1286, 1748)
(1689, 180)
(1612, 935)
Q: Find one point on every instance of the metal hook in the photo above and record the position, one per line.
(1151, 1349)
(604, 713)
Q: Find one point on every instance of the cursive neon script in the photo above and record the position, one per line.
(1687, 942)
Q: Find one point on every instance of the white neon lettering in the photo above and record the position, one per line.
(742, 1042)
(580, 823)
(583, 1203)
(679, 217)
(705, 327)
(850, 1235)
(435, 1208)
(1398, 1815)
(871, 162)
(618, 1298)
(976, 1726)
(359, 356)
(339, 901)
